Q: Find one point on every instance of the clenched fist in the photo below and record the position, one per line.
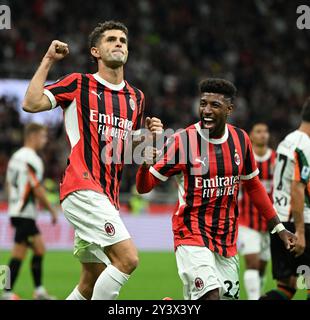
(154, 125)
(57, 50)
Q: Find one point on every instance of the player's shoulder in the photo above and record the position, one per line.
(137, 91)
(70, 76)
(297, 139)
(238, 132)
(29, 157)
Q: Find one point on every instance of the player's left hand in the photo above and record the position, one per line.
(300, 244)
(150, 154)
(288, 238)
(154, 125)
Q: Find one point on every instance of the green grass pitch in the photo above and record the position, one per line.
(155, 278)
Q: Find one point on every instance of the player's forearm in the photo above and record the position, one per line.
(39, 193)
(34, 94)
(261, 201)
(145, 181)
(297, 206)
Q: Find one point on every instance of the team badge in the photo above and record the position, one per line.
(237, 158)
(109, 229)
(132, 104)
(305, 173)
(199, 284)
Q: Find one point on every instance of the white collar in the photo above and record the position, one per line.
(213, 141)
(115, 87)
(263, 158)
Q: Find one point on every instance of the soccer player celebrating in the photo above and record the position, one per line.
(101, 110)
(24, 186)
(254, 240)
(210, 158)
(291, 197)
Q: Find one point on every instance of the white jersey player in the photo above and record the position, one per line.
(23, 182)
(291, 197)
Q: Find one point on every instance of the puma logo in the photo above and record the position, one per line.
(97, 94)
(204, 161)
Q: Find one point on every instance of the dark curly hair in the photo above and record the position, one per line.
(215, 85)
(97, 33)
(305, 114)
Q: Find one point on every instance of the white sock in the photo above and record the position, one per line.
(75, 295)
(252, 284)
(40, 290)
(109, 284)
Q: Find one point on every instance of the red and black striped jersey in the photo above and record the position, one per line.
(249, 215)
(98, 118)
(209, 173)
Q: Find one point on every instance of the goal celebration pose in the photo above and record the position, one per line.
(101, 110)
(210, 158)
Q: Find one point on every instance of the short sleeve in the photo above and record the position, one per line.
(34, 176)
(249, 169)
(301, 167)
(169, 163)
(63, 91)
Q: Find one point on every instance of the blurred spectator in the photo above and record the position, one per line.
(173, 45)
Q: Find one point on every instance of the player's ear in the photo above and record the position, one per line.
(95, 52)
(230, 108)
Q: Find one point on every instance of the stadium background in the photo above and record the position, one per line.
(173, 44)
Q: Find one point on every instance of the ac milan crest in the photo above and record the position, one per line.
(132, 104)
(199, 284)
(109, 229)
(237, 158)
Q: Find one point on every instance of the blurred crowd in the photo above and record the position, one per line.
(173, 45)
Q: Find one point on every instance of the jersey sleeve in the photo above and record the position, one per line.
(140, 117)
(169, 163)
(34, 171)
(249, 169)
(63, 91)
(301, 166)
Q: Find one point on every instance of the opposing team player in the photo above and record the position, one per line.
(254, 240)
(101, 110)
(25, 190)
(291, 197)
(210, 158)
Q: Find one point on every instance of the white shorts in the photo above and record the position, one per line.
(202, 270)
(96, 222)
(251, 241)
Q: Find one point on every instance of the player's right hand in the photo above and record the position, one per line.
(57, 50)
(288, 238)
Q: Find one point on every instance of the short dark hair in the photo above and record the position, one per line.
(33, 128)
(305, 114)
(97, 33)
(216, 85)
(257, 123)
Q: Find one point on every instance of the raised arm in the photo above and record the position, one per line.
(35, 100)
